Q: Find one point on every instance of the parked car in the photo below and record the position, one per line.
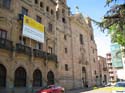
(52, 89)
(119, 87)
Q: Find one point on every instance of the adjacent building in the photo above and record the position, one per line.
(111, 69)
(103, 68)
(41, 43)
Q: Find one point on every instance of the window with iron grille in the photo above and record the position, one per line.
(20, 77)
(3, 34)
(6, 3)
(24, 11)
(37, 78)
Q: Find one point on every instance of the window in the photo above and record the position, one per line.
(22, 40)
(66, 50)
(47, 9)
(2, 76)
(66, 67)
(41, 4)
(63, 20)
(3, 34)
(51, 12)
(81, 39)
(65, 37)
(36, 1)
(50, 50)
(95, 72)
(50, 78)
(6, 3)
(24, 11)
(91, 37)
(83, 70)
(37, 78)
(20, 77)
(38, 45)
(50, 27)
(38, 19)
(94, 60)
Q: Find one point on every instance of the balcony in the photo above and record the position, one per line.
(23, 49)
(6, 44)
(52, 57)
(39, 53)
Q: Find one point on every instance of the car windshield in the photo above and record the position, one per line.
(47, 87)
(120, 84)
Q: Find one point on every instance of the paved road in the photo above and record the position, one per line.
(90, 90)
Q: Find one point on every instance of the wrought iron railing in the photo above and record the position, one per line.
(52, 57)
(23, 49)
(6, 44)
(39, 53)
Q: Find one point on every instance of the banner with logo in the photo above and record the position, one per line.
(32, 29)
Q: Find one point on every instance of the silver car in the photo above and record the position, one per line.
(119, 87)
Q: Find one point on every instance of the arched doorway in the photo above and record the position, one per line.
(37, 78)
(50, 78)
(20, 77)
(84, 82)
(2, 76)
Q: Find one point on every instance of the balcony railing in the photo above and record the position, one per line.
(6, 44)
(23, 49)
(52, 57)
(39, 53)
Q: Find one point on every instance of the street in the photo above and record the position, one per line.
(90, 90)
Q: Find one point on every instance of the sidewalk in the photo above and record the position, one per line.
(78, 90)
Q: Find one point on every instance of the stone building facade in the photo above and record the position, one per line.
(84, 51)
(103, 68)
(26, 64)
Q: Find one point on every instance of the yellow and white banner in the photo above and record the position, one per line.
(33, 29)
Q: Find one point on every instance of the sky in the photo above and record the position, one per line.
(95, 9)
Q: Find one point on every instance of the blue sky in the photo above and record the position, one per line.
(94, 9)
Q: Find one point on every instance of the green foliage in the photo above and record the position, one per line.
(117, 35)
(114, 22)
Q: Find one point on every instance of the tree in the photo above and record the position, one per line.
(114, 21)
